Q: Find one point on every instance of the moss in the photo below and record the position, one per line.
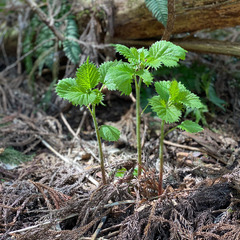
(10, 156)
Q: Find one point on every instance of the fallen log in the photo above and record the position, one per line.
(192, 44)
(132, 20)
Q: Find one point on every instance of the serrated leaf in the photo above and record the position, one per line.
(146, 76)
(120, 78)
(103, 69)
(174, 90)
(87, 76)
(76, 97)
(99, 97)
(191, 100)
(159, 9)
(166, 53)
(64, 85)
(190, 126)
(170, 114)
(69, 90)
(130, 54)
(162, 88)
(109, 133)
(143, 54)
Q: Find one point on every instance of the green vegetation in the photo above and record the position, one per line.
(40, 40)
(13, 158)
(83, 90)
(159, 9)
(168, 104)
(121, 76)
(118, 75)
(198, 79)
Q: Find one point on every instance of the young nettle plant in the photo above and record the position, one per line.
(172, 98)
(82, 90)
(120, 76)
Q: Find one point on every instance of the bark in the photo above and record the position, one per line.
(194, 44)
(133, 20)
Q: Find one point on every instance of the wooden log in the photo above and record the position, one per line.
(133, 20)
(193, 44)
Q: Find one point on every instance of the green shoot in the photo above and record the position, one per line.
(122, 75)
(168, 104)
(82, 90)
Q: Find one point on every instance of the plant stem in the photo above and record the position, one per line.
(100, 152)
(170, 131)
(160, 184)
(138, 123)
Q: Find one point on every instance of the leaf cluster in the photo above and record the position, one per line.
(82, 90)
(161, 53)
(171, 99)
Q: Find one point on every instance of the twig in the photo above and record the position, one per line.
(119, 203)
(94, 236)
(81, 123)
(68, 126)
(25, 55)
(44, 223)
(68, 161)
(76, 136)
(184, 146)
(45, 19)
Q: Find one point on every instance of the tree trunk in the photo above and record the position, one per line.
(133, 20)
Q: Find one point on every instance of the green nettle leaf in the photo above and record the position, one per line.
(109, 133)
(120, 78)
(103, 69)
(69, 90)
(170, 113)
(64, 86)
(174, 90)
(162, 88)
(191, 100)
(87, 76)
(146, 76)
(129, 53)
(159, 9)
(76, 97)
(166, 53)
(99, 97)
(190, 126)
(143, 54)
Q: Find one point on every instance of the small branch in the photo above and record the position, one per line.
(43, 17)
(68, 161)
(42, 224)
(184, 146)
(25, 55)
(98, 230)
(68, 126)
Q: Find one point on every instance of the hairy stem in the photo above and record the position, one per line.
(160, 184)
(100, 152)
(138, 122)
